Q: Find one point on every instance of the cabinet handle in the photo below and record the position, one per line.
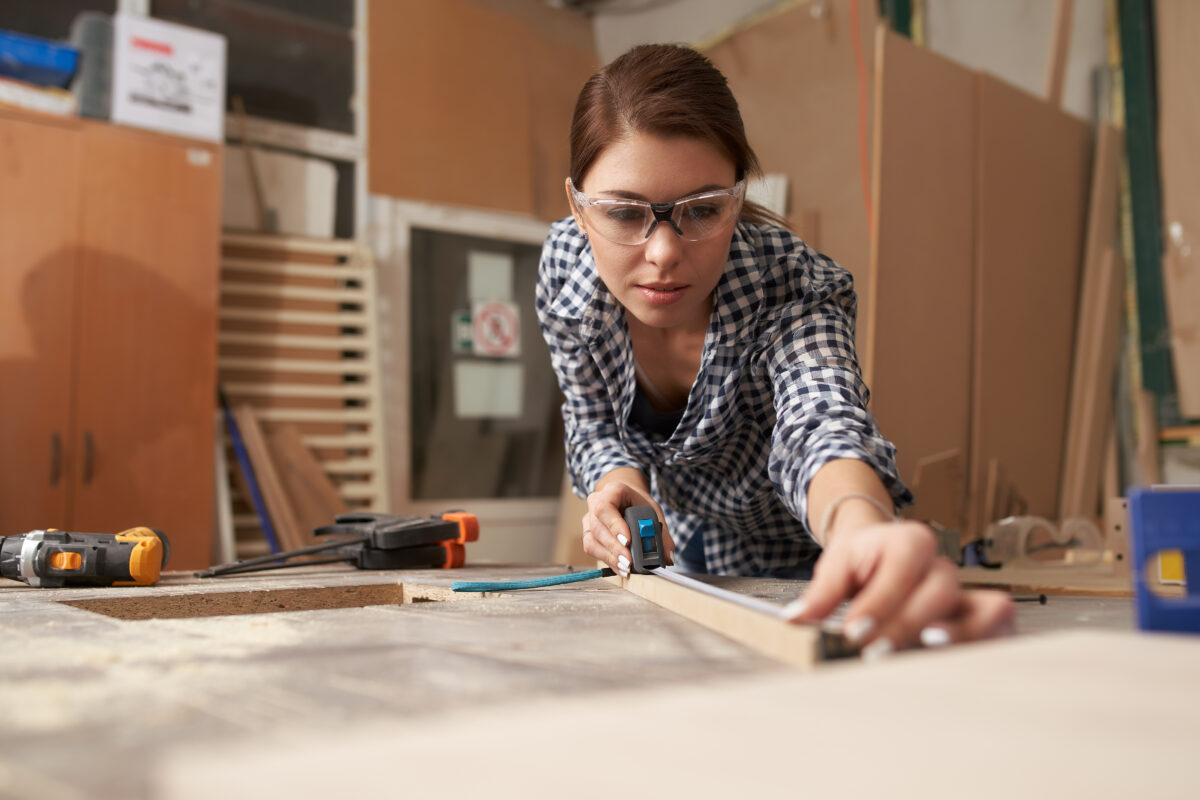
(55, 458)
(89, 457)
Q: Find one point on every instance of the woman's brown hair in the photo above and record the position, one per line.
(665, 90)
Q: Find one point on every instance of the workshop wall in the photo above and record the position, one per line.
(470, 104)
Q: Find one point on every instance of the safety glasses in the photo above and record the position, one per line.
(694, 218)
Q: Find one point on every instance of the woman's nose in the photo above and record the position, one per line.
(664, 248)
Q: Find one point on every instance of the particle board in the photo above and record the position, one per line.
(1033, 168)
(1178, 28)
(917, 353)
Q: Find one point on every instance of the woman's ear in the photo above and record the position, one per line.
(574, 209)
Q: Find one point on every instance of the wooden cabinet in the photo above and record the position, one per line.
(109, 252)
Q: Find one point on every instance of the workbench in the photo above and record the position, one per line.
(327, 681)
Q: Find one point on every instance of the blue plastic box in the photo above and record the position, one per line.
(37, 61)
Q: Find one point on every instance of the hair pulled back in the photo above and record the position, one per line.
(664, 90)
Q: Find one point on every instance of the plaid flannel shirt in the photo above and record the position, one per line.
(778, 395)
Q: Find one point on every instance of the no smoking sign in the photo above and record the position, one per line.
(496, 329)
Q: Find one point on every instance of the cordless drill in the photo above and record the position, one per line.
(53, 558)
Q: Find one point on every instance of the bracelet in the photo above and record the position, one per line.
(832, 508)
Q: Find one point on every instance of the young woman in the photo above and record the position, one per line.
(707, 359)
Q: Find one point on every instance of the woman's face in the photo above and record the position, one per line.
(665, 282)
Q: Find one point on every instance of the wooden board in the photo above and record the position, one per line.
(1095, 346)
(283, 516)
(1033, 164)
(314, 498)
(795, 645)
(917, 352)
(1178, 28)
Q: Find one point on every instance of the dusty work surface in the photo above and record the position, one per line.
(89, 677)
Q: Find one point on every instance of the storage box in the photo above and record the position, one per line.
(168, 77)
(37, 61)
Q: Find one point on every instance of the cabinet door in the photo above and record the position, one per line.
(39, 215)
(146, 360)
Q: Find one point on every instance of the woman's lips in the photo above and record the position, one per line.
(661, 295)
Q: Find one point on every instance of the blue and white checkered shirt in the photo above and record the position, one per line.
(778, 395)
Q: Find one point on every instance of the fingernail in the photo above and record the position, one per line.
(623, 539)
(623, 572)
(622, 561)
(858, 630)
(794, 609)
(878, 649)
(935, 637)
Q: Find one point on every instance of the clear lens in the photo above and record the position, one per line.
(632, 221)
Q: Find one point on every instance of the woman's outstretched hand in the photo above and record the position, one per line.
(901, 591)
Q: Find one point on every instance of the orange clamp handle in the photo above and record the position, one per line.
(468, 525)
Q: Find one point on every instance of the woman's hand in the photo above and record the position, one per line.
(902, 591)
(605, 535)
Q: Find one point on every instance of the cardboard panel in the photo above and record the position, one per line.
(917, 352)
(1178, 23)
(1032, 196)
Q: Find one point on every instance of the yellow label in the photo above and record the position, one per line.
(1170, 566)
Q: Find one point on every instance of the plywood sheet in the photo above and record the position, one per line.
(1178, 23)
(1033, 174)
(918, 345)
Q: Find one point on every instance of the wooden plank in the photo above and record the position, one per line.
(939, 484)
(1095, 311)
(1178, 28)
(313, 496)
(1060, 48)
(1096, 411)
(917, 353)
(796, 645)
(283, 517)
(1033, 174)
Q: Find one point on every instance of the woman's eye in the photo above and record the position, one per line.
(704, 211)
(625, 214)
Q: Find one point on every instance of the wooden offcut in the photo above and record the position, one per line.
(1060, 41)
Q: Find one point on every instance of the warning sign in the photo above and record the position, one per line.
(497, 329)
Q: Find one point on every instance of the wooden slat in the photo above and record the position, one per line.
(1060, 48)
(339, 367)
(246, 289)
(350, 319)
(290, 269)
(348, 343)
(300, 244)
(796, 645)
(283, 516)
(313, 496)
(297, 390)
